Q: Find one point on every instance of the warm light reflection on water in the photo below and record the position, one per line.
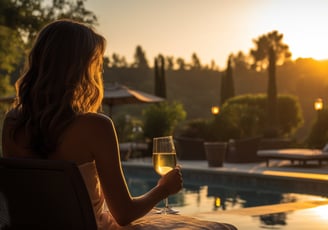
(322, 212)
(296, 174)
(202, 201)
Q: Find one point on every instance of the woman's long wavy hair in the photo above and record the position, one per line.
(62, 79)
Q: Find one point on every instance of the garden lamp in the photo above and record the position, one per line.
(318, 104)
(215, 110)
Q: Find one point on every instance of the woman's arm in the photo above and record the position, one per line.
(103, 145)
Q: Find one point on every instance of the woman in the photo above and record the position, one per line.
(55, 117)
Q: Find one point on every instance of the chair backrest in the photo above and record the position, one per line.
(43, 194)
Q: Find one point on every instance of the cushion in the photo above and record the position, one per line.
(325, 148)
(293, 153)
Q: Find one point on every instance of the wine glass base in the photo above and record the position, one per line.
(167, 210)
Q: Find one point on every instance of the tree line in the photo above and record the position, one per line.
(140, 60)
(256, 59)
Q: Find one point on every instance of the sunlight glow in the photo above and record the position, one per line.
(297, 174)
(322, 211)
(213, 29)
(311, 45)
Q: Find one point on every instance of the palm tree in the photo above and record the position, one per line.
(270, 51)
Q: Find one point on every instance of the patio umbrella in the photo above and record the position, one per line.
(8, 99)
(116, 94)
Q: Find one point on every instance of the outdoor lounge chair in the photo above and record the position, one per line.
(274, 143)
(300, 155)
(43, 194)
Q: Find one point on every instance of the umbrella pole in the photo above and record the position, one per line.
(110, 110)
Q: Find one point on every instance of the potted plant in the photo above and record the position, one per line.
(215, 153)
(213, 133)
(215, 147)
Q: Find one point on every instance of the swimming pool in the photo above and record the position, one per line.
(246, 204)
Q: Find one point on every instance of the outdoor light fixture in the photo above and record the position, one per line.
(215, 110)
(318, 104)
(217, 201)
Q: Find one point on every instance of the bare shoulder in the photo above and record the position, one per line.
(95, 118)
(94, 122)
(98, 135)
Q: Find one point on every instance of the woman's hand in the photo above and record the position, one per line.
(172, 181)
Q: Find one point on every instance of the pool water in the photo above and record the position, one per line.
(245, 208)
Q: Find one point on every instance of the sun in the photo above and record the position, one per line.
(309, 47)
(306, 36)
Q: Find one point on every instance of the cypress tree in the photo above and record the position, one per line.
(160, 82)
(227, 83)
(223, 89)
(156, 89)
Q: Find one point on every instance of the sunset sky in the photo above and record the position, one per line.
(212, 29)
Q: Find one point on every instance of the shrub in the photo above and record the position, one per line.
(194, 128)
(127, 128)
(245, 116)
(208, 129)
(249, 114)
(161, 119)
(318, 136)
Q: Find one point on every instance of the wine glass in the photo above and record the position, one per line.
(164, 160)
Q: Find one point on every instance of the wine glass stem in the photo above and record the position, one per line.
(166, 208)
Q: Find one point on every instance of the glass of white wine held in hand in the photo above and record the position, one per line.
(164, 160)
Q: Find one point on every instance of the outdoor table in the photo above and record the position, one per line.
(154, 221)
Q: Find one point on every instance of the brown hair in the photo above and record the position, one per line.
(62, 79)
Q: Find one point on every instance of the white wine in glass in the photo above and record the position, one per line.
(164, 160)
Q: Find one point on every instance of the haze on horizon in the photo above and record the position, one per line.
(212, 29)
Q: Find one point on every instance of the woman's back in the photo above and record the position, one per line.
(72, 145)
